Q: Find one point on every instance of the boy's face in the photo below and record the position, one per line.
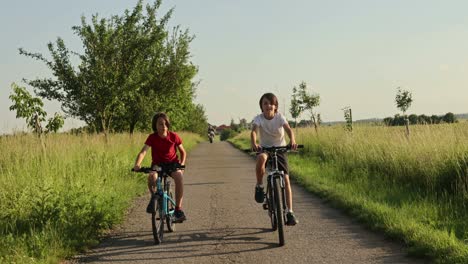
(161, 126)
(268, 108)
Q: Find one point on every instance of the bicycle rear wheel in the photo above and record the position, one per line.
(170, 209)
(157, 221)
(277, 192)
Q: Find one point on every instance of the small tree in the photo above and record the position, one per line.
(309, 102)
(348, 118)
(403, 101)
(30, 108)
(55, 123)
(296, 107)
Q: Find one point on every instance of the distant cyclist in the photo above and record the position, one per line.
(164, 145)
(271, 126)
(211, 133)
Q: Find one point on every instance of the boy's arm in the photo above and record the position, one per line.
(183, 154)
(292, 139)
(140, 157)
(253, 138)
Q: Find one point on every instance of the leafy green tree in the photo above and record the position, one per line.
(403, 101)
(435, 119)
(413, 119)
(28, 107)
(309, 102)
(55, 123)
(424, 119)
(197, 121)
(449, 118)
(296, 107)
(348, 116)
(131, 67)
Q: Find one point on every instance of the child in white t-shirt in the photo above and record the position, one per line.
(271, 126)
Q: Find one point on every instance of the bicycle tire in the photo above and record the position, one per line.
(157, 222)
(278, 207)
(170, 208)
(271, 206)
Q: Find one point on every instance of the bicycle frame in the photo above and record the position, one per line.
(161, 182)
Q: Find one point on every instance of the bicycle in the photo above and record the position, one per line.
(275, 195)
(163, 200)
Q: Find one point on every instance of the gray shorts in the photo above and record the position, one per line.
(282, 162)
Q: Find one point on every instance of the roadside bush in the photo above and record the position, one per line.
(228, 133)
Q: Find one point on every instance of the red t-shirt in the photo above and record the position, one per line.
(163, 150)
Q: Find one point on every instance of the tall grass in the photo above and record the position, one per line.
(60, 200)
(413, 190)
(434, 159)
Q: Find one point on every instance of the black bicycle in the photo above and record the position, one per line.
(275, 196)
(163, 200)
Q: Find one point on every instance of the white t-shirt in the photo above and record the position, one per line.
(271, 131)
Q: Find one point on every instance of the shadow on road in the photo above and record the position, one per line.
(186, 244)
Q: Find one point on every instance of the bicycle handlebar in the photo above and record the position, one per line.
(288, 147)
(273, 149)
(165, 167)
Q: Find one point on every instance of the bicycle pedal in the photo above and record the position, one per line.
(265, 206)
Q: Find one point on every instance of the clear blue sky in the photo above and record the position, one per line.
(353, 53)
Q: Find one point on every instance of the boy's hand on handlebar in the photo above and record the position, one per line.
(136, 168)
(293, 145)
(256, 148)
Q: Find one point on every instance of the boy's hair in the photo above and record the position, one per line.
(270, 97)
(155, 120)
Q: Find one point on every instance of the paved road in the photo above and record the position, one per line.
(226, 225)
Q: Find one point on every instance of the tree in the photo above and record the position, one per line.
(403, 101)
(309, 102)
(55, 123)
(435, 119)
(449, 118)
(30, 108)
(131, 67)
(348, 118)
(413, 119)
(296, 107)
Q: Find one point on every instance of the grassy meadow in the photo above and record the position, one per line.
(414, 191)
(61, 198)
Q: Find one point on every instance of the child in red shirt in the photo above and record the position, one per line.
(164, 145)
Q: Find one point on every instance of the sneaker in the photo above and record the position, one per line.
(259, 194)
(179, 216)
(150, 208)
(291, 219)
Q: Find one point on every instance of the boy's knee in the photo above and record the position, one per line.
(261, 158)
(151, 177)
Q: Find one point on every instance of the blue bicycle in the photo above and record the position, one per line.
(163, 200)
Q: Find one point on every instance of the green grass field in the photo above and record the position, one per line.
(58, 201)
(414, 191)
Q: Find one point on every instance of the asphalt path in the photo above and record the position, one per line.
(226, 225)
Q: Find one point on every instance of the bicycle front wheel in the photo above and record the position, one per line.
(271, 206)
(157, 221)
(170, 209)
(277, 192)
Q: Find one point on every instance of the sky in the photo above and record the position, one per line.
(352, 53)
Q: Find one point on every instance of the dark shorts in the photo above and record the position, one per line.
(282, 162)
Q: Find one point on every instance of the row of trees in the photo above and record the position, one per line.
(399, 120)
(131, 67)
